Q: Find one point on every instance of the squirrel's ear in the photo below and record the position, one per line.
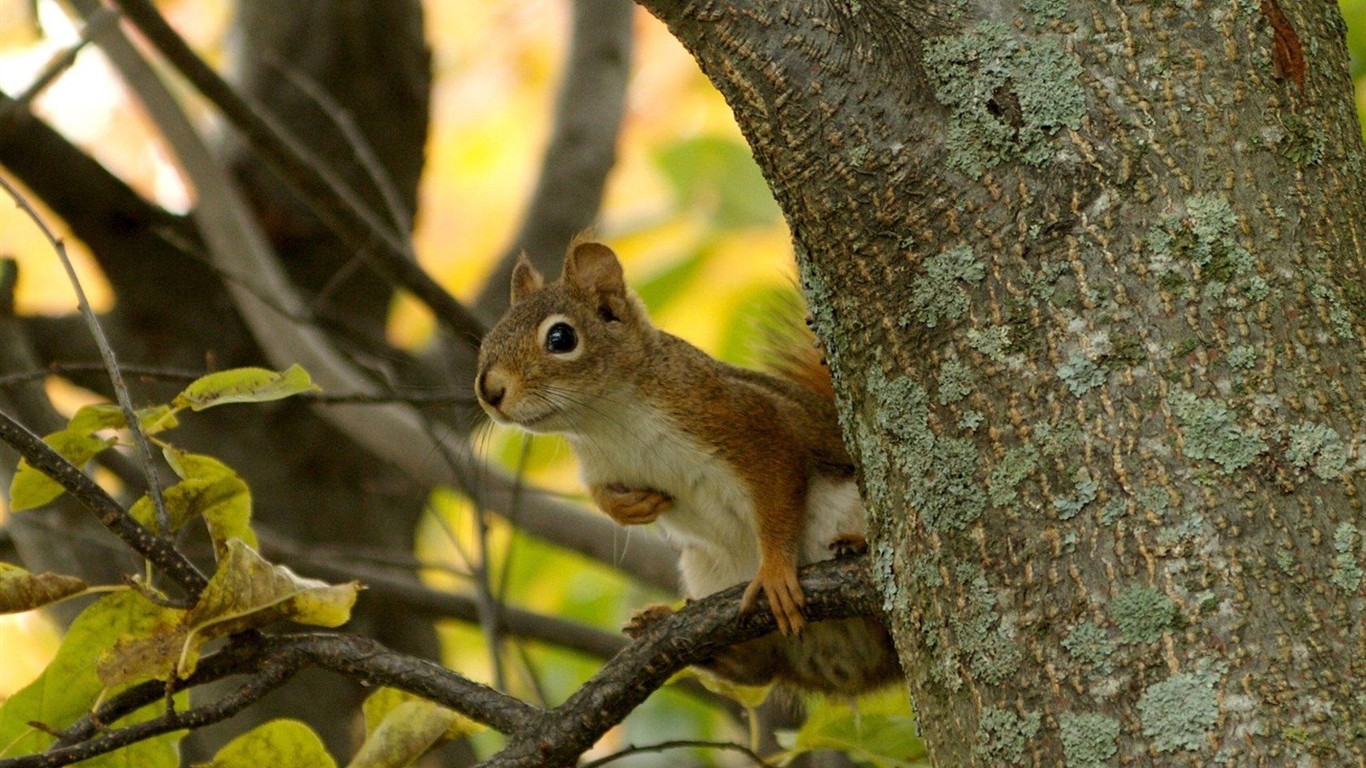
(525, 278)
(592, 270)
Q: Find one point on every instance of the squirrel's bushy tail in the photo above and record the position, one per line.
(788, 348)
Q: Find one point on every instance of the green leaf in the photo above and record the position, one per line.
(244, 385)
(401, 728)
(70, 686)
(879, 729)
(23, 591)
(31, 488)
(719, 175)
(276, 744)
(93, 418)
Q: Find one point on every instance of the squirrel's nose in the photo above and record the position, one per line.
(492, 388)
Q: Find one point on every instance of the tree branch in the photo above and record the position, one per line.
(834, 590)
(155, 549)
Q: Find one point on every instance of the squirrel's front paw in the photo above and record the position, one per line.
(645, 618)
(631, 506)
(785, 598)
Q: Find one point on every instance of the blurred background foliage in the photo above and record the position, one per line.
(702, 239)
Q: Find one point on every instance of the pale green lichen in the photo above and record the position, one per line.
(1089, 739)
(981, 635)
(1206, 236)
(938, 294)
(1179, 712)
(951, 496)
(1080, 373)
(1304, 142)
(1285, 560)
(970, 420)
(1153, 499)
(1114, 510)
(1089, 644)
(1142, 614)
(1339, 316)
(1084, 493)
(940, 472)
(1320, 446)
(1211, 431)
(1188, 529)
(1016, 464)
(1008, 96)
(993, 342)
(1002, 735)
(955, 382)
(1242, 357)
(1346, 568)
(1054, 439)
(884, 573)
(1043, 10)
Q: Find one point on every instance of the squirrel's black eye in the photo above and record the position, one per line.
(560, 338)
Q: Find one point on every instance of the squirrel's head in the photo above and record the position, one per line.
(564, 348)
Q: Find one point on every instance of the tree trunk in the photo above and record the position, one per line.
(1091, 287)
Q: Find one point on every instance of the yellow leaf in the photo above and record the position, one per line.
(407, 731)
(23, 591)
(150, 656)
(32, 488)
(749, 696)
(247, 592)
(93, 418)
(244, 385)
(276, 744)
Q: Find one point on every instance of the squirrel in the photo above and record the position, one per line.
(745, 471)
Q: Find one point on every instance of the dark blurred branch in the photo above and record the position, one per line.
(582, 148)
(330, 197)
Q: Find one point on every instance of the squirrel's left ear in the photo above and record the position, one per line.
(592, 270)
(525, 278)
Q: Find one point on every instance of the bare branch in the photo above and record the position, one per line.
(111, 365)
(582, 148)
(665, 746)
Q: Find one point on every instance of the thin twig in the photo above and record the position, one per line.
(665, 746)
(111, 363)
(157, 550)
(63, 60)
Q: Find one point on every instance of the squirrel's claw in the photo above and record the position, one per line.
(645, 618)
(631, 506)
(785, 597)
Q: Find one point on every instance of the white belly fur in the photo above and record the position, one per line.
(712, 521)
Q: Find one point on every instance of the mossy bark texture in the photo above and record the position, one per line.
(1090, 278)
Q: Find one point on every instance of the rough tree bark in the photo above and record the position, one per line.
(1090, 280)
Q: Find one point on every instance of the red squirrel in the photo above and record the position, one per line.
(745, 471)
